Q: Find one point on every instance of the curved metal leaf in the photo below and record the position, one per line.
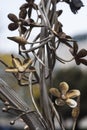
(82, 53)
(18, 39)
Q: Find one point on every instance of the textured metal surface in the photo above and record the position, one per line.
(31, 118)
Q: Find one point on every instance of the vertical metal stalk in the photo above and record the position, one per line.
(43, 87)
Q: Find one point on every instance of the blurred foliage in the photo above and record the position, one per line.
(6, 58)
(8, 77)
(77, 79)
(80, 37)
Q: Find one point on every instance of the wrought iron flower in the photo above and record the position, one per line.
(19, 68)
(63, 95)
(78, 55)
(29, 5)
(17, 22)
(75, 5)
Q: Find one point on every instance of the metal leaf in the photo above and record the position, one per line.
(82, 53)
(18, 39)
(62, 35)
(58, 26)
(77, 61)
(83, 61)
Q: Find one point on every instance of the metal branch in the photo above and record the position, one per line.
(32, 97)
(34, 48)
(56, 114)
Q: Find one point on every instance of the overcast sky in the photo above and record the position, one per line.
(72, 24)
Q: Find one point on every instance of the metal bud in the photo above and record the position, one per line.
(4, 109)
(12, 122)
(26, 127)
(18, 39)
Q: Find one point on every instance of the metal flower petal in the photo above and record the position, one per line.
(12, 26)
(27, 63)
(73, 93)
(55, 92)
(59, 102)
(72, 103)
(30, 70)
(63, 87)
(16, 62)
(23, 13)
(12, 70)
(13, 17)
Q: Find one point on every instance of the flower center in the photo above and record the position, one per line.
(63, 96)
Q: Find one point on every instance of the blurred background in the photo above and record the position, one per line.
(76, 76)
